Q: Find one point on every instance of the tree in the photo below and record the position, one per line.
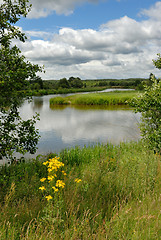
(149, 105)
(36, 83)
(75, 82)
(150, 80)
(15, 72)
(157, 62)
(63, 83)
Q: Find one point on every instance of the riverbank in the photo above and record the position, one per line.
(116, 195)
(40, 87)
(43, 92)
(105, 98)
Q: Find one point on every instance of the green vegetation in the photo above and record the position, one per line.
(39, 87)
(136, 83)
(16, 135)
(110, 192)
(149, 104)
(42, 92)
(110, 98)
(73, 82)
(97, 192)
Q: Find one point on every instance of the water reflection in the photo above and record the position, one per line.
(94, 125)
(63, 127)
(37, 104)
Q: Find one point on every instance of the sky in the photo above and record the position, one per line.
(93, 39)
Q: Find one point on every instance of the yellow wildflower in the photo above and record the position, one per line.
(42, 179)
(45, 163)
(77, 180)
(42, 188)
(60, 183)
(49, 197)
(64, 173)
(55, 189)
(53, 166)
(49, 170)
(50, 178)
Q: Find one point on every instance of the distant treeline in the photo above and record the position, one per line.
(136, 83)
(72, 82)
(75, 84)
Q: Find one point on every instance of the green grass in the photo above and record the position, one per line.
(118, 197)
(111, 98)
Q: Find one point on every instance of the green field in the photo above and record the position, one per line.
(110, 98)
(118, 196)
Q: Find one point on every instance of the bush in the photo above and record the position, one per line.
(149, 104)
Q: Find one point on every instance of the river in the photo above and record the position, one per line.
(66, 127)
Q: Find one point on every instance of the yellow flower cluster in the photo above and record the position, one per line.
(51, 184)
(78, 180)
(60, 183)
(49, 197)
(42, 188)
(42, 179)
(54, 166)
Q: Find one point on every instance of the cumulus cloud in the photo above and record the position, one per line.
(153, 12)
(58, 53)
(120, 48)
(41, 8)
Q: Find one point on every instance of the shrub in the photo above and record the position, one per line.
(149, 104)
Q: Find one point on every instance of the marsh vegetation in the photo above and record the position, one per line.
(109, 98)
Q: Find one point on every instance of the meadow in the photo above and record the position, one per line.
(95, 192)
(108, 98)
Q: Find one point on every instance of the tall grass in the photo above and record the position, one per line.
(111, 98)
(58, 101)
(118, 197)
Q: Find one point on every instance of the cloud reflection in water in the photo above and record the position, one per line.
(66, 127)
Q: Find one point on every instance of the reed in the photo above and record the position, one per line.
(111, 98)
(58, 101)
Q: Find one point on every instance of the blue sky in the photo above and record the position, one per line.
(93, 39)
(88, 15)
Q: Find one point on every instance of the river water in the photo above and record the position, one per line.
(66, 127)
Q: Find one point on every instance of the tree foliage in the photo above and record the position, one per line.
(149, 105)
(157, 62)
(15, 73)
(17, 135)
(75, 82)
(72, 82)
(63, 83)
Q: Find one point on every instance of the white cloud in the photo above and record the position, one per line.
(41, 8)
(121, 48)
(55, 53)
(39, 34)
(153, 12)
(75, 126)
